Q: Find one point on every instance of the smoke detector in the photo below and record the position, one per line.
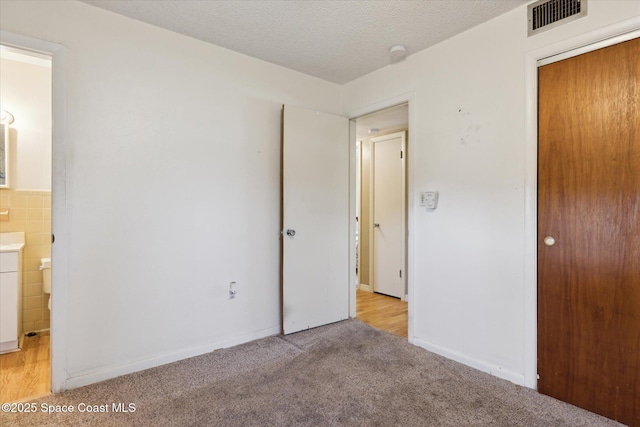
(397, 53)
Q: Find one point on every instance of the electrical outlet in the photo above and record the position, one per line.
(232, 290)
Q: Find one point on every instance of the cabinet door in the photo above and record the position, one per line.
(8, 261)
(9, 306)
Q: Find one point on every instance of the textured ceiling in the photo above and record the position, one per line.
(335, 40)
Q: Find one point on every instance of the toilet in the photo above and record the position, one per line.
(45, 266)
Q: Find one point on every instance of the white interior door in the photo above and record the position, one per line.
(315, 198)
(388, 214)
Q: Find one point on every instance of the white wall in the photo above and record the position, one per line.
(26, 93)
(467, 141)
(172, 188)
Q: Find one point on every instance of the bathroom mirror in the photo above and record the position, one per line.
(4, 156)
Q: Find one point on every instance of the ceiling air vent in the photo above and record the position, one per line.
(546, 14)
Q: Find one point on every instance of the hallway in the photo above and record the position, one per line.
(382, 312)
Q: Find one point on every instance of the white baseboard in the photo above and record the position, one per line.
(38, 331)
(365, 287)
(116, 371)
(9, 347)
(480, 365)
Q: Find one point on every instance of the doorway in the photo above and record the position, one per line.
(308, 297)
(588, 271)
(27, 97)
(381, 296)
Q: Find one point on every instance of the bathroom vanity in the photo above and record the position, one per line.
(11, 245)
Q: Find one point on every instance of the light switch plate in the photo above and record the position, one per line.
(429, 199)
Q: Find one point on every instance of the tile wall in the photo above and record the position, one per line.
(30, 212)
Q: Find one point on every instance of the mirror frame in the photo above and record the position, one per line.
(4, 156)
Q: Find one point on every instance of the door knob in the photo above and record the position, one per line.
(549, 241)
(376, 225)
(291, 232)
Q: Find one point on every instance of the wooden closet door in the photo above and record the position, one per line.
(589, 203)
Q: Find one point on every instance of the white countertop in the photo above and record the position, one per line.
(11, 242)
(14, 247)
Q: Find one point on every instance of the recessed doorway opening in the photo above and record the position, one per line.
(381, 206)
(25, 200)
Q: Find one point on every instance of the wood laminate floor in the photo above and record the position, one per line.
(382, 312)
(26, 374)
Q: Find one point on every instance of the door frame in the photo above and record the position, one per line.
(602, 37)
(59, 226)
(410, 202)
(372, 241)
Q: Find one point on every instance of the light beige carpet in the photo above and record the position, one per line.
(342, 374)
